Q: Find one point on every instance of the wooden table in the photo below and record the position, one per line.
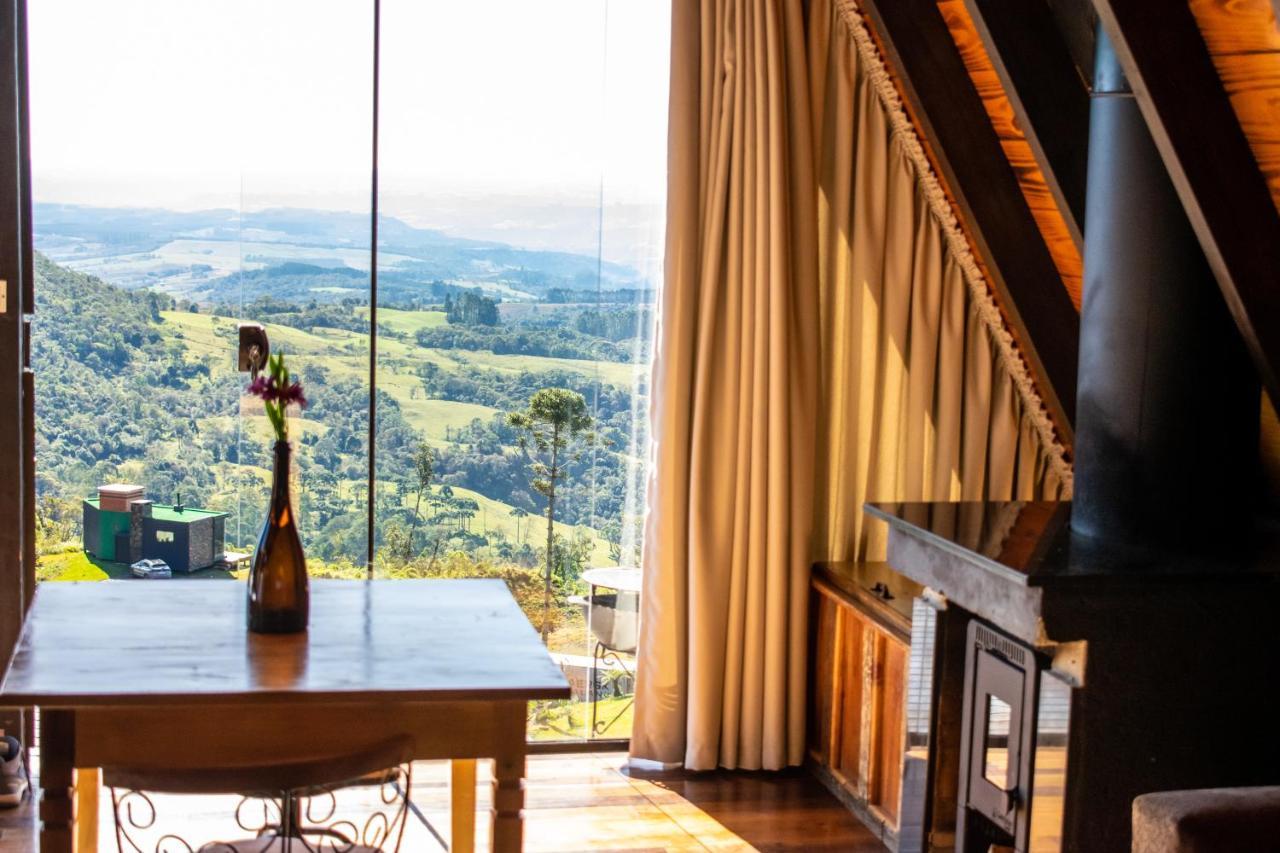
(130, 673)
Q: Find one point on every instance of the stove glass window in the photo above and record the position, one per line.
(996, 752)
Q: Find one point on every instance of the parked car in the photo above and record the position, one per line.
(151, 569)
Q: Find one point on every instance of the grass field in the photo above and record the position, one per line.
(569, 720)
(496, 515)
(79, 566)
(435, 419)
(343, 354)
(407, 322)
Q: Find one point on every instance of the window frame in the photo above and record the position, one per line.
(17, 414)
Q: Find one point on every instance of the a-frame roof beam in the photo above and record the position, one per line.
(1048, 95)
(1210, 162)
(942, 98)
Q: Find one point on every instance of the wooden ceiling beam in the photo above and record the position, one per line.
(1047, 93)
(1210, 162)
(942, 98)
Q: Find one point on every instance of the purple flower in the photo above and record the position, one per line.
(293, 394)
(277, 392)
(260, 387)
(271, 391)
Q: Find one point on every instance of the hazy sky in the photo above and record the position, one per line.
(257, 103)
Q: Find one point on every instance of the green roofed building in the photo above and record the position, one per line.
(120, 525)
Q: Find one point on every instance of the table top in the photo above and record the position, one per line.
(621, 578)
(184, 642)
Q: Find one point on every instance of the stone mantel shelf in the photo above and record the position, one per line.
(1018, 565)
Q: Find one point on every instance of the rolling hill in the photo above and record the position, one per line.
(231, 256)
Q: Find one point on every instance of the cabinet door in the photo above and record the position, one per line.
(856, 663)
(822, 689)
(890, 681)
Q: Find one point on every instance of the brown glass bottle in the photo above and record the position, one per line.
(279, 592)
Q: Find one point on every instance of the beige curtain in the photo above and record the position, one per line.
(825, 339)
(721, 679)
(923, 396)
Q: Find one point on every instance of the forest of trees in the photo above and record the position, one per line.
(122, 396)
(557, 342)
(471, 309)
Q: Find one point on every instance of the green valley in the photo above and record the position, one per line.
(136, 382)
(140, 385)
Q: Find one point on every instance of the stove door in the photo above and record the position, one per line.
(999, 725)
(996, 748)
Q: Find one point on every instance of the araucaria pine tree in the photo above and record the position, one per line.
(423, 470)
(553, 430)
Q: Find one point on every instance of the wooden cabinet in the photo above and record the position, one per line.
(859, 654)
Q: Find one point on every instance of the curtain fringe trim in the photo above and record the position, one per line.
(983, 300)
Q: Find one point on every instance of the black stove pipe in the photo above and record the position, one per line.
(1166, 442)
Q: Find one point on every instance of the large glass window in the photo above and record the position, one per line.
(202, 164)
(196, 165)
(522, 176)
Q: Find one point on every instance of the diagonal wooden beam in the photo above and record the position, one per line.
(942, 98)
(1210, 162)
(1049, 98)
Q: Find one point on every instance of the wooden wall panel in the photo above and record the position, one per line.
(1244, 43)
(1269, 451)
(1243, 40)
(1062, 248)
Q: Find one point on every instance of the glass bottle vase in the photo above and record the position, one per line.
(279, 590)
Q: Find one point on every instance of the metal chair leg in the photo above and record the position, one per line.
(604, 653)
(593, 687)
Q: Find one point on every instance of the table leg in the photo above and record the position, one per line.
(88, 792)
(507, 813)
(57, 781)
(462, 796)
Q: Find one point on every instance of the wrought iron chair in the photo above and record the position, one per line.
(296, 807)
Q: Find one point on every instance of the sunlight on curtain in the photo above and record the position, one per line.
(912, 379)
(919, 401)
(722, 624)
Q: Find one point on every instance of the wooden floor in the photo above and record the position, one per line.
(592, 802)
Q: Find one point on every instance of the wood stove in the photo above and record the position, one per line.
(1070, 676)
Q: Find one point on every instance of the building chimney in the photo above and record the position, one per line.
(1168, 401)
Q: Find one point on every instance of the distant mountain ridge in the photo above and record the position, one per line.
(212, 255)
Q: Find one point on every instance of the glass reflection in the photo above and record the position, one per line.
(1048, 783)
(915, 765)
(995, 762)
(521, 223)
